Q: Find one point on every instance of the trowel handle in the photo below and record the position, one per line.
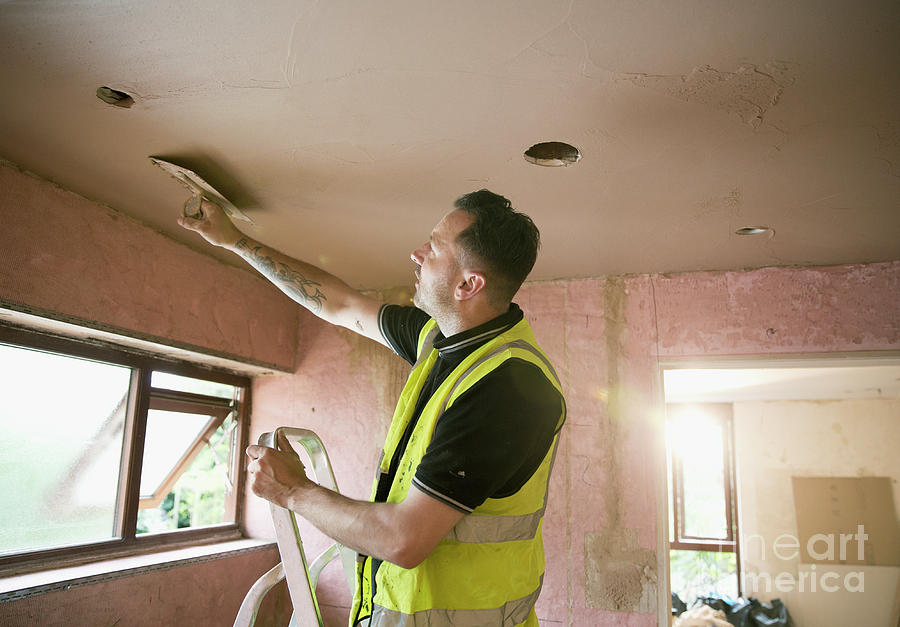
(192, 206)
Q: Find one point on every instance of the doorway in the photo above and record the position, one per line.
(771, 466)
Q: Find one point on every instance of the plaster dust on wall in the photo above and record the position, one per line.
(619, 574)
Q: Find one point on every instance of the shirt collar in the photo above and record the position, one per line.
(468, 339)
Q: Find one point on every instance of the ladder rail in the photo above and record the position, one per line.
(301, 576)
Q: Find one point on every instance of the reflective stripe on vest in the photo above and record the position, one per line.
(510, 614)
(486, 528)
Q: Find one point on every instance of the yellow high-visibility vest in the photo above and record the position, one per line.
(489, 568)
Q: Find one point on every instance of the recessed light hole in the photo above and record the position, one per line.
(753, 230)
(552, 154)
(115, 97)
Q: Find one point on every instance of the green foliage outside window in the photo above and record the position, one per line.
(703, 573)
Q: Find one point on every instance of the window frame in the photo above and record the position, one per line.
(140, 397)
(722, 413)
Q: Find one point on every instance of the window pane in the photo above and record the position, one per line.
(61, 426)
(697, 442)
(198, 497)
(169, 436)
(178, 383)
(672, 495)
(704, 490)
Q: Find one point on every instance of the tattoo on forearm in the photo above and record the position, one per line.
(301, 289)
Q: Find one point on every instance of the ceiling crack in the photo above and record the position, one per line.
(532, 45)
(290, 63)
(289, 67)
(256, 84)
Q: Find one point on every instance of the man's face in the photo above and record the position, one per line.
(438, 270)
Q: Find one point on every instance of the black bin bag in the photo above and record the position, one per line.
(772, 614)
(679, 607)
(751, 612)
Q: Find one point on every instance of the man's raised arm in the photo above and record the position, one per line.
(322, 293)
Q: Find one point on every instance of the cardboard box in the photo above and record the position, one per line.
(830, 512)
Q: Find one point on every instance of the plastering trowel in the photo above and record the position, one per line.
(199, 189)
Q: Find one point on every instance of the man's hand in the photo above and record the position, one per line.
(215, 227)
(276, 475)
(402, 533)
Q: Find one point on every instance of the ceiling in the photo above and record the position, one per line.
(346, 129)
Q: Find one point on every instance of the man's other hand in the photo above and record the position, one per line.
(215, 227)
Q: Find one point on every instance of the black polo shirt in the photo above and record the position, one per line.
(493, 437)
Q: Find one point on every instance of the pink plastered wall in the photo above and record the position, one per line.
(64, 256)
(606, 337)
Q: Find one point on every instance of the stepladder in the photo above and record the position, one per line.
(301, 576)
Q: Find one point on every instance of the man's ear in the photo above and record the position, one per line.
(473, 282)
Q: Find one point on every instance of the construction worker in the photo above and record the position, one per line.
(452, 533)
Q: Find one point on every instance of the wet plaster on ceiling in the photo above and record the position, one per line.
(747, 92)
(345, 130)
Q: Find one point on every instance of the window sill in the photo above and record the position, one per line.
(32, 584)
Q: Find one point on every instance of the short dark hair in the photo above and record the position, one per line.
(501, 240)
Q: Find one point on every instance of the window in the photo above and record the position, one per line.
(702, 514)
(105, 452)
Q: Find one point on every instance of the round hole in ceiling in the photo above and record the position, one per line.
(754, 230)
(552, 154)
(115, 97)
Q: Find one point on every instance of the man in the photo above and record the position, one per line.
(452, 534)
